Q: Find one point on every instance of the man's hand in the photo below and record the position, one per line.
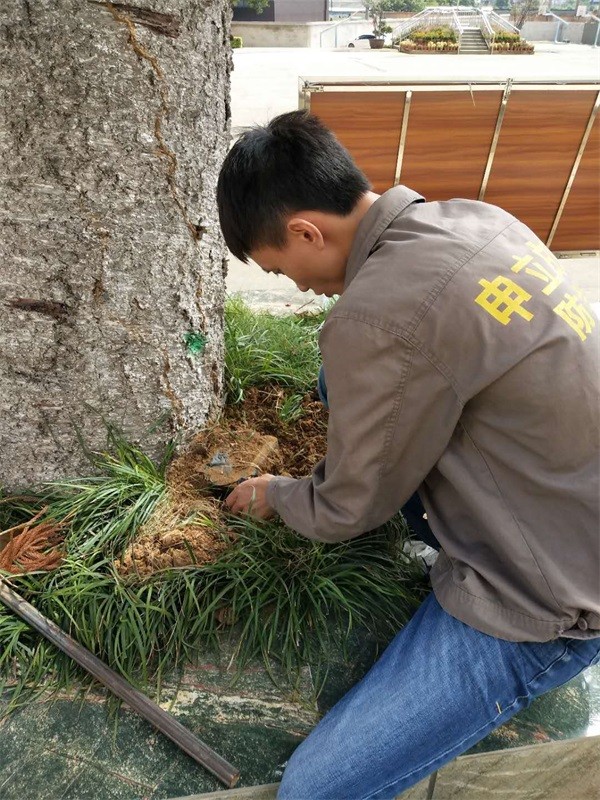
(250, 497)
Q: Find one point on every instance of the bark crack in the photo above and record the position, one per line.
(167, 24)
(58, 311)
(27, 6)
(163, 149)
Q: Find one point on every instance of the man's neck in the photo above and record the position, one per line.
(349, 225)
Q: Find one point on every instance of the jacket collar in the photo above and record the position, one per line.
(376, 220)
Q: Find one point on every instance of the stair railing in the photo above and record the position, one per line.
(458, 26)
(499, 22)
(400, 31)
(460, 16)
(561, 21)
(457, 21)
(335, 26)
(597, 19)
(433, 16)
(488, 33)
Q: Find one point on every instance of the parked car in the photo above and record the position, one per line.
(362, 42)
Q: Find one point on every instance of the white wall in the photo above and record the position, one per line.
(546, 31)
(292, 34)
(326, 34)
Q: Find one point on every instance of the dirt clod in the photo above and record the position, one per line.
(223, 456)
(302, 441)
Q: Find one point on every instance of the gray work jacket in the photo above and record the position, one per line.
(461, 362)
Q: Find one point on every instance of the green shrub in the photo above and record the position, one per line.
(505, 36)
(292, 599)
(426, 35)
(236, 41)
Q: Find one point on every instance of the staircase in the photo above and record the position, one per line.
(472, 43)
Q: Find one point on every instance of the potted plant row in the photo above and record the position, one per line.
(431, 40)
(518, 46)
(410, 46)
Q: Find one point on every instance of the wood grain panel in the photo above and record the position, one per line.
(448, 141)
(540, 135)
(579, 226)
(368, 124)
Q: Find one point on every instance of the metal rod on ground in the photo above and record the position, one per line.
(431, 786)
(149, 710)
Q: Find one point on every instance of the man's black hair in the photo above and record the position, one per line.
(292, 164)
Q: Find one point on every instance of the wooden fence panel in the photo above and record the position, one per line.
(368, 125)
(580, 221)
(538, 144)
(448, 140)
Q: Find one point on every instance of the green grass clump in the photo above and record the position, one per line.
(290, 597)
(262, 348)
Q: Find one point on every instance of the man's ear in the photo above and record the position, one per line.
(299, 228)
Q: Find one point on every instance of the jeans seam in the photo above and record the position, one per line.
(441, 755)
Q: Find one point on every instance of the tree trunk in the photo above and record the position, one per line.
(115, 120)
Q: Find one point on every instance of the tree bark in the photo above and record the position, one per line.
(114, 120)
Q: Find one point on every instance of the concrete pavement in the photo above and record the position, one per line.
(265, 79)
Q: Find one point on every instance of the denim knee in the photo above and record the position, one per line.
(309, 774)
(293, 782)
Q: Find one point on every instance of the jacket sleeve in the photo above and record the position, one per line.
(392, 412)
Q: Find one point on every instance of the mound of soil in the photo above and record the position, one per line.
(176, 535)
(223, 456)
(302, 442)
(189, 527)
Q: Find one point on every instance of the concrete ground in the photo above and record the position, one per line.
(265, 83)
(265, 79)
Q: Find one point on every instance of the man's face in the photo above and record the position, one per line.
(308, 261)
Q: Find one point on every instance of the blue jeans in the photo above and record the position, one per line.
(438, 689)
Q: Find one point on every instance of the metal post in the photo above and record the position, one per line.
(431, 785)
(597, 20)
(560, 21)
(137, 701)
(403, 132)
(496, 136)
